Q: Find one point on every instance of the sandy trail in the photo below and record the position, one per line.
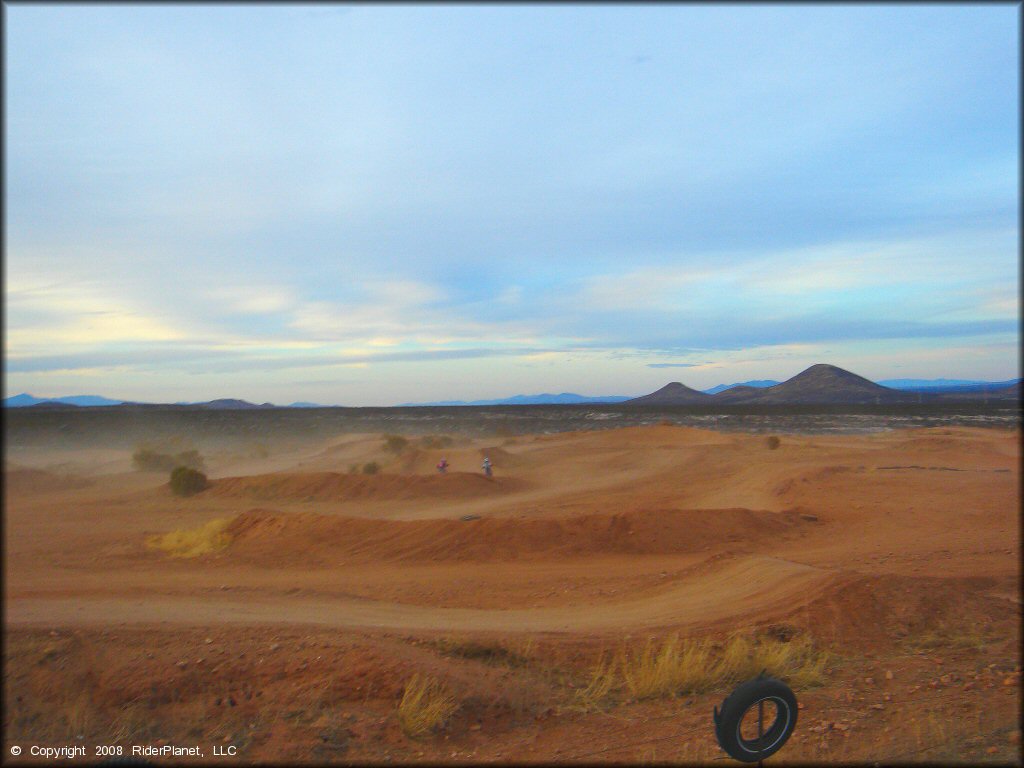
(747, 587)
(912, 502)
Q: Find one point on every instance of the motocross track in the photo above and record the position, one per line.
(580, 542)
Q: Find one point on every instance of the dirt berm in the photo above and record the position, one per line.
(273, 538)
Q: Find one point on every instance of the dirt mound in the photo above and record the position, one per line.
(933, 440)
(274, 538)
(334, 486)
(31, 481)
(873, 611)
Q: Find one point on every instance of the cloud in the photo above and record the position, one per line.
(207, 361)
(69, 315)
(567, 181)
(252, 299)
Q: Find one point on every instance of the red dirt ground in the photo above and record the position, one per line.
(898, 552)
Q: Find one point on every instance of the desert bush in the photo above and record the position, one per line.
(193, 542)
(773, 442)
(353, 469)
(371, 468)
(395, 443)
(425, 705)
(186, 481)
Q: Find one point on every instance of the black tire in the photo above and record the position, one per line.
(776, 696)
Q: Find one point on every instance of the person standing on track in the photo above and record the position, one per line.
(487, 466)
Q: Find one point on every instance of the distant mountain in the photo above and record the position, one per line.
(565, 398)
(672, 394)
(820, 383)
(89, 401)
(997, 391)
(231, 404)
(739, 394)
(823, 383)
(23, 400)
(759, 383)
(1011, 391)
(930, 383)
(985, 386)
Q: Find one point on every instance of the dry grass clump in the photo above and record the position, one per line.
(426, 705)
(599, 688)
(772, 442)
(797, 661)
(129, 723)
(211, 537)
(677, 667)
(371, 468)
(78, 714)
(947, 634)
(674, 667)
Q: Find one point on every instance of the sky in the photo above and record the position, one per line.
(372, 205)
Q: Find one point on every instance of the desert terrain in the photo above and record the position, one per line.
(288, 610)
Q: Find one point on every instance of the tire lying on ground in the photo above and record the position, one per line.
(780, 712)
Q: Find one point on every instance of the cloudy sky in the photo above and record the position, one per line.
(370, 205)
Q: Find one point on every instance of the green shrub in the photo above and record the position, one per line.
(371, 468)
(186, 481)
(773, 442)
